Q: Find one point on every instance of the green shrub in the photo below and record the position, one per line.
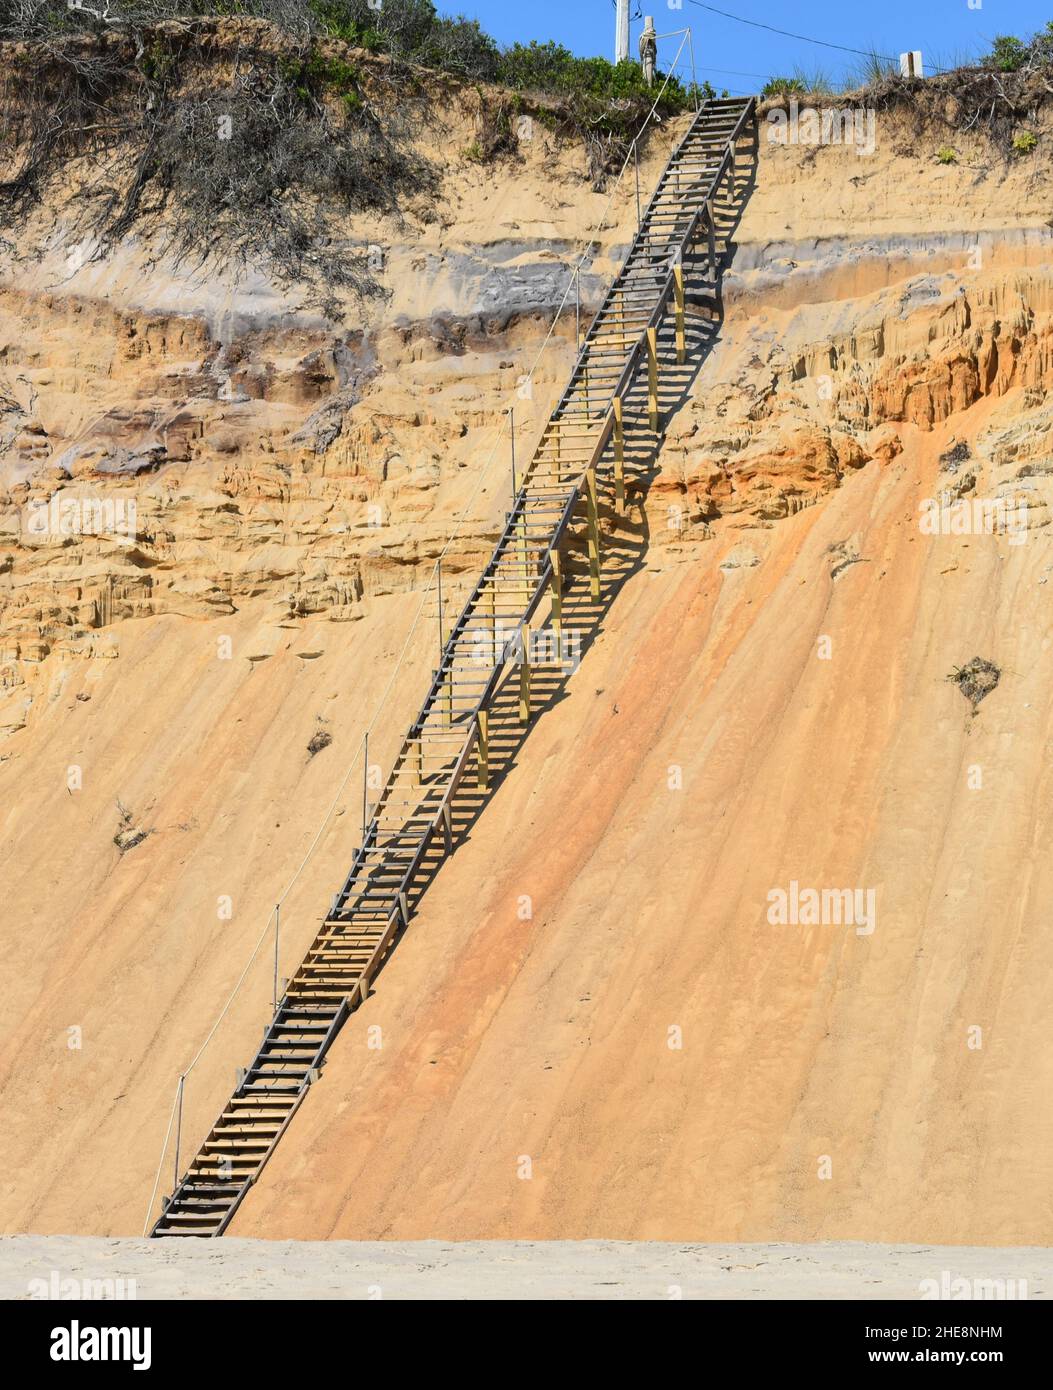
(1008, 54)
(783, 87)
(874, 69)
(1024, 141)
(947, 155)
(602, 99)
(459, 46)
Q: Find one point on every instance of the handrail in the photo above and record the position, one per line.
(611, 288)
(629, 371)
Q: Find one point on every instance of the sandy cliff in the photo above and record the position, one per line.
(768, 701)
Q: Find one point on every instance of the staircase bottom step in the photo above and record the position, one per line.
(182, 1231)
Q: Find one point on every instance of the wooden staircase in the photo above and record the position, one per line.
(490, 638)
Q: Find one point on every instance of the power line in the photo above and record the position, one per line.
(688, 72)
(756, 24)
(736, 72)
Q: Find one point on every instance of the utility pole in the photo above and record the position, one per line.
(649, 50)
(621, 31)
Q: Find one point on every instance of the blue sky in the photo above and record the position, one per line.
(726, 51)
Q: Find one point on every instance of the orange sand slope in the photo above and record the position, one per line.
(550, 1038)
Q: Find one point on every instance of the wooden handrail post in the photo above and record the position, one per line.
(365, 783)
(438, 595)
(178, 1134)
(483, 760)
(636, 161)
(448, 679)
(619, 456)
(493, 618)
(557, 597)
(524, 675)
(523, 557)
(652, 378)
(445, 678)
(277, 933)
(711, 231)
(594, 533)
(678, 291)
(512, 443)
